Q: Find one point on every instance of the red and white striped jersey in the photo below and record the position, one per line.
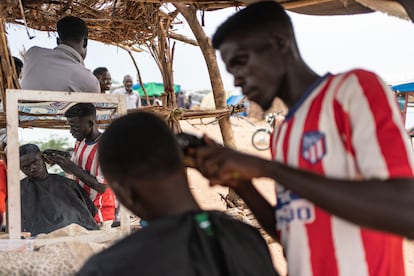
(85, 155)
(346, 126)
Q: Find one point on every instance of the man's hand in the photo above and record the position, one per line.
(225, 166)
(60, 158)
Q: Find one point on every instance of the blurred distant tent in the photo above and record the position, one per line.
(208, 101)
(153, 88)
(405, 87)
(405, 96)
(237, 100)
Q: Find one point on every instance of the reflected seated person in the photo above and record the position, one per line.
(50, 201)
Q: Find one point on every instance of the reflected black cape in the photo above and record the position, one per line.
(178, 246)
(54, 203)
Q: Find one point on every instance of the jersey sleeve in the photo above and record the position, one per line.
(379, 142)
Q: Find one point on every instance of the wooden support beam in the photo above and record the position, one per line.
(13, 167)
(183, 38)
(304, 3)
(189, 13)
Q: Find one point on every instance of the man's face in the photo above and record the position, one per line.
(80, 128)
(128, 83)
(257, 66)
(33, 165)
(105, 81)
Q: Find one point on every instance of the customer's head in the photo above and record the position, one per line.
(73, 32)
(128, 82)
(140, 158)
(32, 163)
(81, 118)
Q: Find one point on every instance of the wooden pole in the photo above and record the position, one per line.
(13, 168)
(163, 54)
(189, 13)
(8, 75)
(182, 38)
(139, 76)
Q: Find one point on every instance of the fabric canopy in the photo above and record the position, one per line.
(238, 99)
(153, 88)
(405, 87)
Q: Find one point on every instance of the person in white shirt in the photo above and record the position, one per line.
(133, 98)
(61, 68)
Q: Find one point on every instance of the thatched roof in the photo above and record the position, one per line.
(110, 21)
(132, 22)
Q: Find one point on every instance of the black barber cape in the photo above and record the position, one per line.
(202, 244)
(54, 203)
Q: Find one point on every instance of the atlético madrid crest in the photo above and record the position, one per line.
(313, 146)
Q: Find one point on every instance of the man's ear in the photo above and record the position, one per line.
(280, 42)
(91, 123)
(85, 43)
(57, 40)
(124, 194)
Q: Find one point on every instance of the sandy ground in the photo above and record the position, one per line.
(208, 197)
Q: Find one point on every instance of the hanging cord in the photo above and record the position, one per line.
(24, 20)
(202, 12)
(114, 8)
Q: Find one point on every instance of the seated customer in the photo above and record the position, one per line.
(182, 238)
(61, 68)
(50, 201)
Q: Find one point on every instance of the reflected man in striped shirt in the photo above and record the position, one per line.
(84, 164)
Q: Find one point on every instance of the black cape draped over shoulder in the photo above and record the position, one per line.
(184, 246)
(53, 203)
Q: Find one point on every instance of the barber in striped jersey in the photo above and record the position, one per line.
(342, 161)
(84, 164)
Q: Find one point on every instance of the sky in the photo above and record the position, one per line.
(375, 41)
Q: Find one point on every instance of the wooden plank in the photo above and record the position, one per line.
(58, 96)
(124, 213)
(13, 165)
(304, 3)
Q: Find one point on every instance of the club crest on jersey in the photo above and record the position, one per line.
(313, 146)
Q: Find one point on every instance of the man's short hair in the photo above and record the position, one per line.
(28, 149)
(71, 28)
(99, 71)
(257, 15)
(128, 76)
(137, 146)
(81, 110)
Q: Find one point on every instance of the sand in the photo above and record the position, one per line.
(208, 197)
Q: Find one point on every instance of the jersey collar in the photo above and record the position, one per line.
(309, 91)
